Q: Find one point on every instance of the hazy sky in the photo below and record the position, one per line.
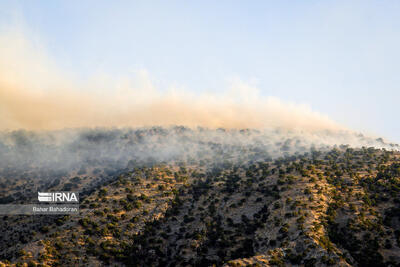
(342, 58)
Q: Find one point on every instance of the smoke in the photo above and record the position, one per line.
(114, 148)
(60, 116)
(37, 95)
(108, 125)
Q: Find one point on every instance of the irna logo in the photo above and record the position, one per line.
(58, 196)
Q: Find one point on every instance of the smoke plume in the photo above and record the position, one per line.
(37, 95)
(50, 119)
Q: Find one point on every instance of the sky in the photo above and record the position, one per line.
(341, 58)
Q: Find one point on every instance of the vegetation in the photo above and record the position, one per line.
(335, 208)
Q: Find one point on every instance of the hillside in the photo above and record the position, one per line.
(335, 208)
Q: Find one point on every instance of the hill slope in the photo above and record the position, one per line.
(340, 208)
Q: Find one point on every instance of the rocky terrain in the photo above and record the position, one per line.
(243, 203)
